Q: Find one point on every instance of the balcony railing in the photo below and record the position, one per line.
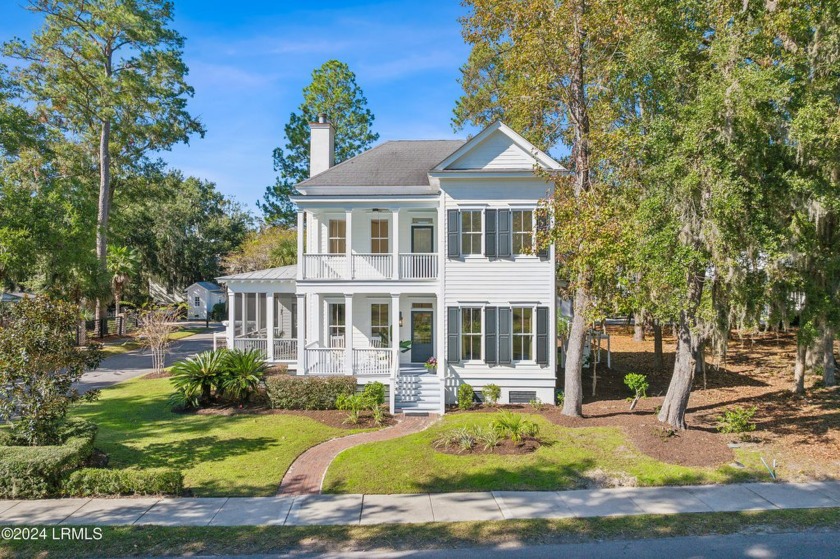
(324, 266)
(419, 266)
(372, 266)
(413, 266)
(260, 344)
(373, 361)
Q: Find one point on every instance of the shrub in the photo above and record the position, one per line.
(31, 472)
(291, 392)
(465, 396)
(353, 404)
(198, 376)
(515, 426)
(462, 437)
(537, 404)
(560, 398)
(374, 392)
(101, 482)
(639, 385)
(492, 393)
(219, 312)
(487, 437)
(737, 420)
(243, 372)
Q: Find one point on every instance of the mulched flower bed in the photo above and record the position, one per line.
(505, 447)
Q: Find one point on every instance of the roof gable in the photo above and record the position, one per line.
(497, 148)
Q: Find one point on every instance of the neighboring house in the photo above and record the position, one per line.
(428, 243)
(202, 296)
(13, 297)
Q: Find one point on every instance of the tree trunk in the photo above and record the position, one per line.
(639, 326)
(830, 365)
(676, 399)
(700, 362)
(799, 368)
(573, 385)
(658, 359)
(103, 208)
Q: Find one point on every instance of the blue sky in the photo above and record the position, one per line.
(249, 62)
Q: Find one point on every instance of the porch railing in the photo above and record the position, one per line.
(324, 266)
(373, 361)
(324, 361)
(260, 344)
(372, 266)
(285, 349)
(419, 266)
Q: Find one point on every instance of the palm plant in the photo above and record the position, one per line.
(243, 372)
(515, 426)
(198, 376)
(123, 264)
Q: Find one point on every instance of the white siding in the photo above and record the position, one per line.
(496, 152)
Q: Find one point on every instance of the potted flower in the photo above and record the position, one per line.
(431, 364)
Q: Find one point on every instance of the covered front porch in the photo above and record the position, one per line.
(369, 335)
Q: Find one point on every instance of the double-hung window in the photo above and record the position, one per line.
(470, 334)
(336, 324)
(523, 231)
(379, 327)
(523, 333)
(337, 236)
(379, 236)
(471, 232)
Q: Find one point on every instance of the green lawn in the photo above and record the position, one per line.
(411, 465)
(242, 455)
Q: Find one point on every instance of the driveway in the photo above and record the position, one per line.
(139, 362)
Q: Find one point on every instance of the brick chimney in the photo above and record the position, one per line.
(321, 145)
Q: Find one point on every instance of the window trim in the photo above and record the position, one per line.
(380, 222)
(331, 238)
(532, 335)
(480, 232)
(514, 233)
(480, 334)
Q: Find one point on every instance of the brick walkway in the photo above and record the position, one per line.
(306, 474)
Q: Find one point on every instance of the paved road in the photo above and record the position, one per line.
(810, 545)
(139, 362)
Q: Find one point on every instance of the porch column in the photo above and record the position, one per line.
(348, 242)
(243, 326)
(395, 248)
(348, 331)
(269, 325)
(395, 332)
(301, 334)
(231, 328)
(300, 248)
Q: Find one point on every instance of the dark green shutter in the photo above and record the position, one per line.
(504, 233)
(453, 353)
(505, 327)
(453, 249)
(490, 233)
(542, 228)
(490, 334)
(542, 335)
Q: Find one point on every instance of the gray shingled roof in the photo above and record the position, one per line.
(281, 273)
(395, 163)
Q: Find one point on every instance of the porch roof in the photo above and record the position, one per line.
(281, 273)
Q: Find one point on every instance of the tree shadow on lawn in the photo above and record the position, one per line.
(187, 453)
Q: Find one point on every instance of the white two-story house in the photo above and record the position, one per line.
(408, 251)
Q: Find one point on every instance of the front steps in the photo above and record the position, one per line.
(418, 392)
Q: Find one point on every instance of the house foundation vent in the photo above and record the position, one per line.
(522, 396)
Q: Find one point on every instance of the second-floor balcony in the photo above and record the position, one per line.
(410, 266)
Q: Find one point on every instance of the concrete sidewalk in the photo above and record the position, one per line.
(307, 510)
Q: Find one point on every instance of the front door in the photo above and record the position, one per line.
(422, 239)
(421, 336)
